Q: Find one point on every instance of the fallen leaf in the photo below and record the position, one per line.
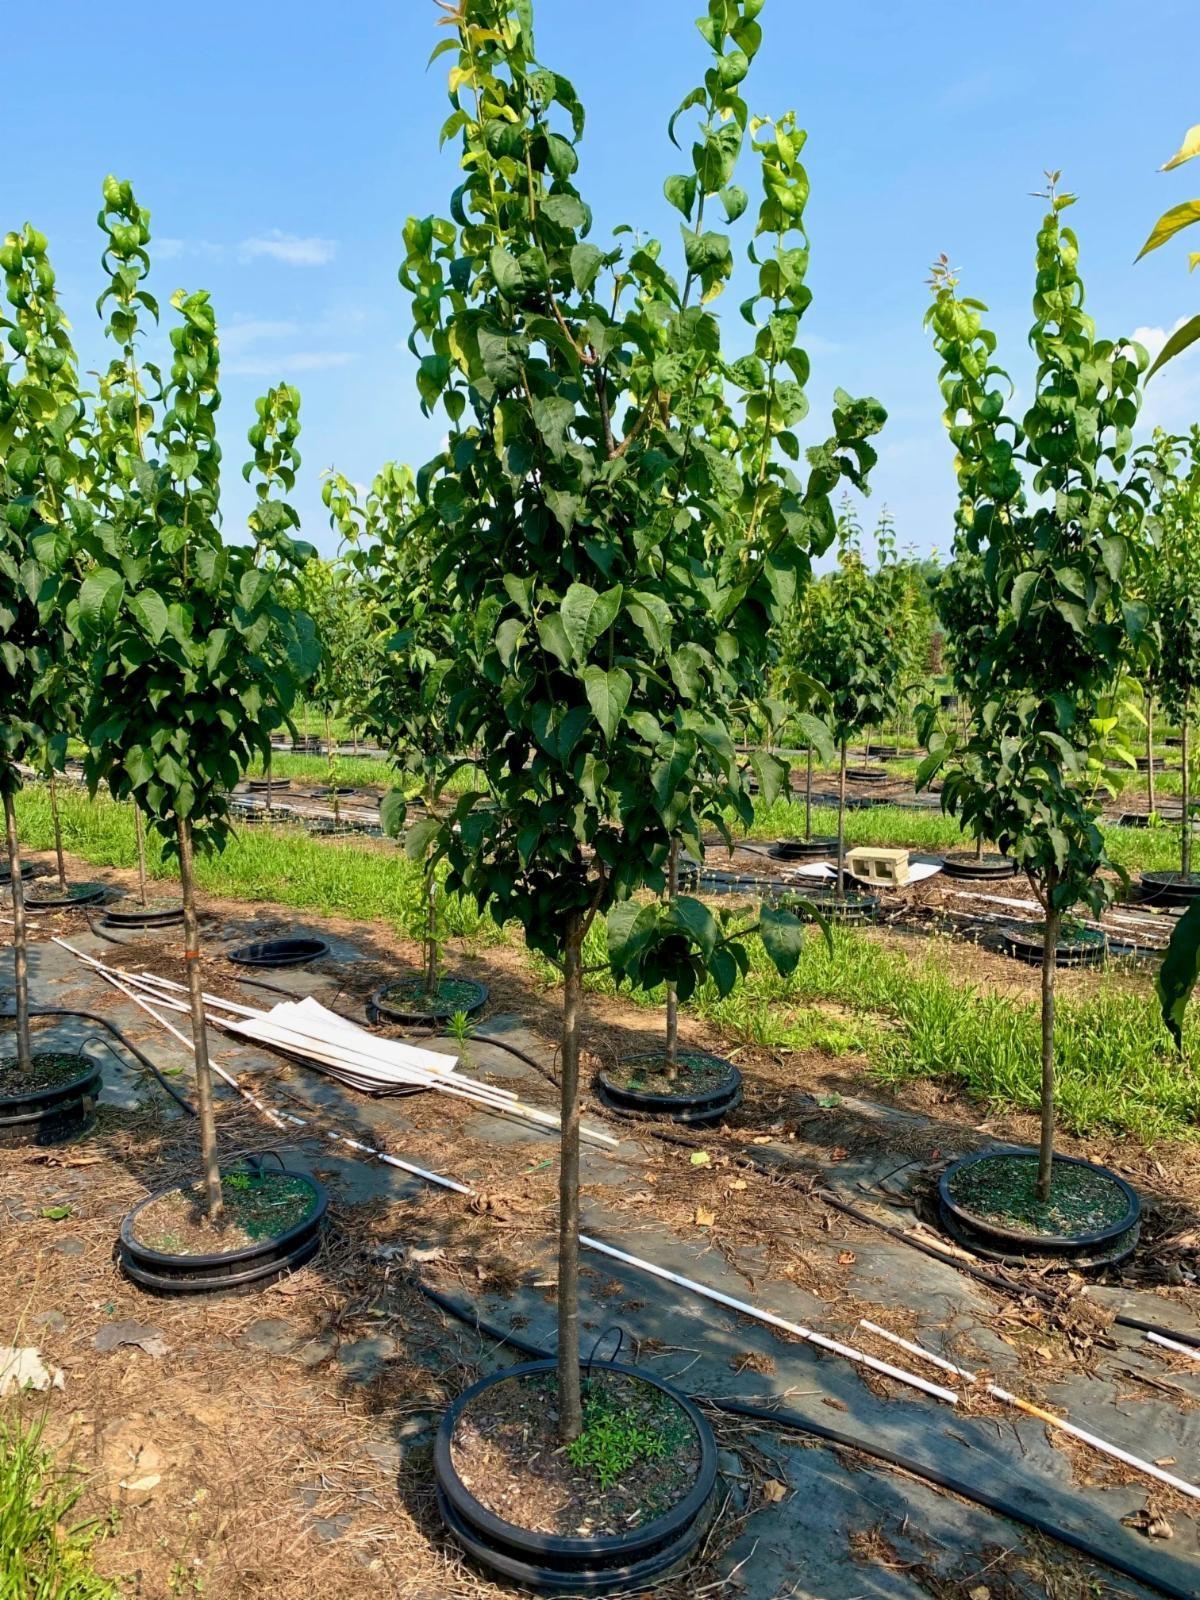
(1149, 1521)
(141, 1334)
(846, 1258)
(1165, 1461)
(738, 1183)
(55, 1213)
(761, 1138)
(980, 1592)
(701, 1158)
(774, 1491)
(838, 1153)
(704, 1217)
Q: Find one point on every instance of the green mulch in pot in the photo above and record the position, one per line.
(637, 1457)
(451, 995)
(697, 1072)
(257, 1207)
(49, 1070)
(1000, 1190)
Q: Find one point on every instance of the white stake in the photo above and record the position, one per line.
(1030, 1409)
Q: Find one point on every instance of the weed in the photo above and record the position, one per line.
(43, 1555)
(613, 1439)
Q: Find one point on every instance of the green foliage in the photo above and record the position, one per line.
(43, 1554)
(614, 505)
(1041, 587)
(1171, 583)
(195, 660)
(1168, 225)
(851, 634)
(45, 478)
(612, 1440)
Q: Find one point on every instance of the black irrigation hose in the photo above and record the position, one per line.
(795, 1422)
(143, 1059)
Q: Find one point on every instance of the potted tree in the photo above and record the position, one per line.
(1042, 727)
(577, 506)
(194, 664)
(44, 473)
(405, 710)
(1173, 593)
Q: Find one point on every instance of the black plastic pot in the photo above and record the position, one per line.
(389, 1003)
(965, 865)
(867, 774)
(251, 1268)
(1171, 888)
(155, 914)
(852, 906)
(698, 1107)
(1102, 1246)
(27, 871)
(50, 1116)
(802, 849)
(1087, 948)
(295, 952)
(883, 752)
(561, 1565)
(56, 899)
(268, 785)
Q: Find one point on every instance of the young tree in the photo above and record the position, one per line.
(1172, 591)
(194, 660)
(581, 510)
(847, 640)
(1047, 580)
(45, 474)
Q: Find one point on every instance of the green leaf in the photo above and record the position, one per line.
(553, 416)
(771, 773)
(506, 270)
(151, 612)
(392, 811)
(783, 939)
(586, 615)
(586, 261)
(1178, 973)
(1179, 341)
(681, 192)
(1169, 224)
(420, 836)
(608, 694)
(100, 598)
(697, 921)
(560, 153)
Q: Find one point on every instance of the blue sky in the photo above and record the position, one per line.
(280, 149)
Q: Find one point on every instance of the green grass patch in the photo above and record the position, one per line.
(45, 1552)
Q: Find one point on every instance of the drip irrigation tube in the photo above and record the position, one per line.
(795, 1421)
(138, 1055)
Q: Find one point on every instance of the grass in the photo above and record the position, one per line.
(43, 1554)
(904, 1015)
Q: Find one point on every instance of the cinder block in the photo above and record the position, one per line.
(887, 867)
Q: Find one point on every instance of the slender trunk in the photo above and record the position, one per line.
(1185, 841)
(672, 993)
(20, 951)
(191, 956)
(979, 846)
(570, 1407)
(333, 783)
(269, 780)
(1049, 961)
(808, 796)
(430, 943)
(140, 832)
(57, 821)
(841, 851)
(1150, 752)
(354, 739)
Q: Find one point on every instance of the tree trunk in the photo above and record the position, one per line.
(979, 846)
(191, 956)
(841, 853)
(140, 832)
(672, 993)
(269, 764)
(1150, 752)
(333, 783)
(570, 1407)
(1185, 839)
(1049, 962)
(20, 949)
(808, 796)
(57, 821)
(430, 942)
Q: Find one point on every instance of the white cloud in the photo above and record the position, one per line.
(1172, 396)
(290, 248)
(242, 342)
(169, 249)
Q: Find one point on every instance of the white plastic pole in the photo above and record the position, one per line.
(1174, 1344)
(1032, 1410)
